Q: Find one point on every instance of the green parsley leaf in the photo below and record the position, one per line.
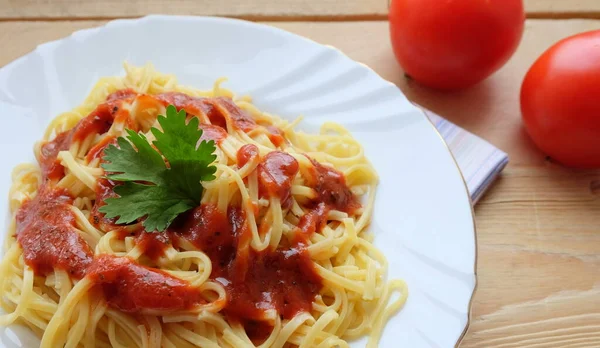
(142, 164)
(153, 188)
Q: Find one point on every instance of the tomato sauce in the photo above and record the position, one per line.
(47, 234)
(276, 172)
(212, 132)
(97, 151)
(98, 121)
(331, 188)
(313, 221)
(283, 279)
(104, 190)
(153, 244)
(101, 119)
(122, 94)
(218, 110)
(191, 105)
(194, 106)
(49, 164)
(246, 154)
(276, 136)
(240, 118)
(133, 288)
(212, 232)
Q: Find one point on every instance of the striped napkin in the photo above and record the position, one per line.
(479, 161)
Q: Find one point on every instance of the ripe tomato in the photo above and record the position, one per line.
(560, 101)
(452, 44)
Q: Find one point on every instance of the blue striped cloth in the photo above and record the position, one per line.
(479, 161)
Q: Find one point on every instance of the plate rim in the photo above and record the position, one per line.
(121, 21)
(476, 245)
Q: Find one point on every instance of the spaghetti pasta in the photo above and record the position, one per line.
(276, 255)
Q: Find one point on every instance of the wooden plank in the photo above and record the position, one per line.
(256, 9)
(563, 8)
(538, 261)
(538, 228)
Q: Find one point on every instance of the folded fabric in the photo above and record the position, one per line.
(479, 161)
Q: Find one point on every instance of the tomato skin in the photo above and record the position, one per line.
(560, 101)
(454, 44)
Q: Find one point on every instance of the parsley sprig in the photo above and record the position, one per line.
(153, 188)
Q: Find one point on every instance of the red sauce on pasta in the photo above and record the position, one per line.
(313, 221)
(101, 119)
(276, 136)
(98, 121)
(49, 164)
(122, 94)
(211, 132)
(153, 244)
(133, 288)
(275, 175)
(284, 279)
(219, 110)
(331, 188)
(240, 118)
(47, 234)
(97, 151)
(246, 154)
(104, 190)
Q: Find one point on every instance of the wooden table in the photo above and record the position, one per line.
(538, 227)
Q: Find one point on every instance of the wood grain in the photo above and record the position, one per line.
(539, 261)
(256, 9)
(538, 227)
(563, 8)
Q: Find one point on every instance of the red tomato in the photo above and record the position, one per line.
(452, 44)
(560, 101)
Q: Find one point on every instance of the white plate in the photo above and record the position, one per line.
(423, 220)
